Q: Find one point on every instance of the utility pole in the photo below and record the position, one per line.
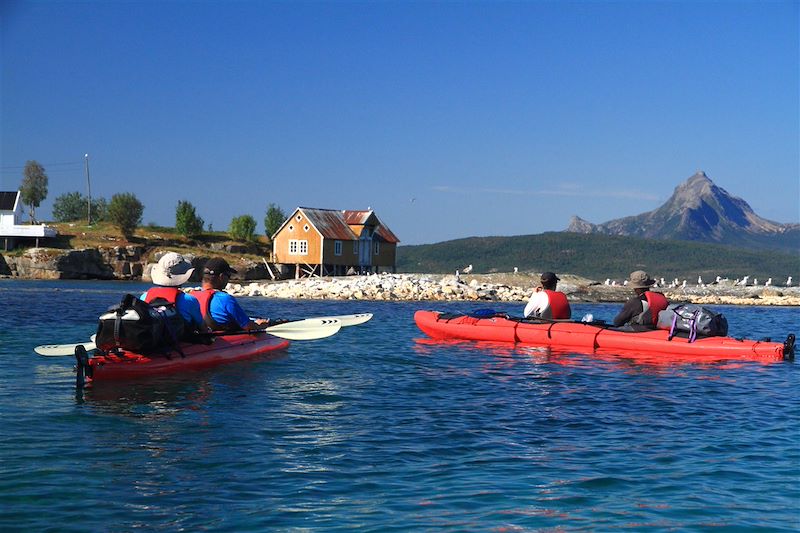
(89, 189)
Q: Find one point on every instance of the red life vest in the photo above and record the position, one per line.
(204, 297)
(559, 306)
(657, 302)
(170, 294)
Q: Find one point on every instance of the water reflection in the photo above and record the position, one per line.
(149, 399)
(511, 354)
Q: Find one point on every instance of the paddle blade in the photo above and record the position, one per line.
(62, 350)
(304, 330)
(352, 320)
(346, 320)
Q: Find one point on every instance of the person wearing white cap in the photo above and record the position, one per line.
(546, 301)
(643, 307)
(172, 271)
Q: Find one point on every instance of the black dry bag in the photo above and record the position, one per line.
(137, 326)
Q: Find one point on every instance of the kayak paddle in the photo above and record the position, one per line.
(299, 330)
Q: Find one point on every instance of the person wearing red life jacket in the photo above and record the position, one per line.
(220, 310)
(643, 307)
(546, 301)
(172, 271)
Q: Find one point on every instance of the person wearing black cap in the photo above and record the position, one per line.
(220, 310)
(546, 301)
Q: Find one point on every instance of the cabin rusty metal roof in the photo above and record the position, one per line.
(334, 224)
(329, 223)
(358, 218)
(386, 234)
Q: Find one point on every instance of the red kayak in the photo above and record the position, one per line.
(592, 337)
(223, 349)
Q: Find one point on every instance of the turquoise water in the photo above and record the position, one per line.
(373, 429)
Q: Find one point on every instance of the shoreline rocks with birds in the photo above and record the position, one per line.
(499, 287)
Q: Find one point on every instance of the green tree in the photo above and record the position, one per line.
(69, 206)
(72, 206)
(99, 209)
(243, 228)
(125, 212)
(34, 187)
(186, 220)
(273, 220)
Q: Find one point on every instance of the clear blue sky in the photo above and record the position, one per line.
(450, 119)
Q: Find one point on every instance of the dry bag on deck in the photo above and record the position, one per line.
(692, 319)
(140, 327)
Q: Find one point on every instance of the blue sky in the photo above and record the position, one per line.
(450, 119)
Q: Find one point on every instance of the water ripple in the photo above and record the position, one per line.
(379, 430)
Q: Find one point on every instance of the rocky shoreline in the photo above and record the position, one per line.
(499, 288)
(133, 263)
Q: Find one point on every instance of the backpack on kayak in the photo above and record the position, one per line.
(140, 327)
(692, 319)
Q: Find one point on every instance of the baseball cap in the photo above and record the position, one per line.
(549, 277)
(216, 266)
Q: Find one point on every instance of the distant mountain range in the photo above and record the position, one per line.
(700, 211)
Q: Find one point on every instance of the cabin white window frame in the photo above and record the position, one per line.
(298, 247)
(337, 247)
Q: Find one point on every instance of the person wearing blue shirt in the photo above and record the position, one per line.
(220, 310)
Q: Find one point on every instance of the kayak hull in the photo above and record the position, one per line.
(586, 337)
(223, 349)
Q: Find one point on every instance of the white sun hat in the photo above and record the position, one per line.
(171, 270)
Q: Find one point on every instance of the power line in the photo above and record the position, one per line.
(56, 171)
(79, 163)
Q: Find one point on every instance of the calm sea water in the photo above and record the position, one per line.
(375, 430)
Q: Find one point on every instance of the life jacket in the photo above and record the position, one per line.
(657, 302)
(175, 325)
(169, 294)
(654, 303)
(559, 306)
(204, 297)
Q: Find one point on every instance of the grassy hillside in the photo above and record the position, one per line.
(77, 235)
(597, 257)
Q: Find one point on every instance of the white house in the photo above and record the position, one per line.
(11, 227)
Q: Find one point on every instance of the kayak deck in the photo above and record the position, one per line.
(223, 349)
(591, 338)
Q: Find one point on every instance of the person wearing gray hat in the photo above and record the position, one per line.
(172, 271)
(546, 302)
(643, 307)
(220, 310)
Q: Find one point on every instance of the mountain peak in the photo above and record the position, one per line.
(698, 210)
